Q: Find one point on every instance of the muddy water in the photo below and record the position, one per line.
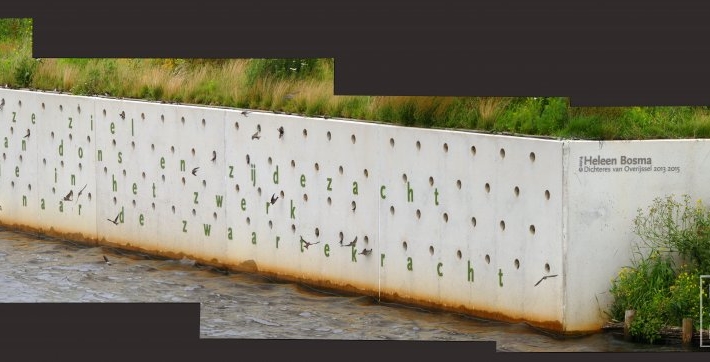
(239, 305)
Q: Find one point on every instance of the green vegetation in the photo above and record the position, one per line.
(663, 283)
(305, 86)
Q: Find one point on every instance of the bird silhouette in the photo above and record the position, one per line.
(28, 133)
(115, 221)
(307, 244)
(244, 113)
(352, 243)
(281, 132)
(274, 198)
(106, 260)
(256, 135)
(194, 171)
(123, 115)
(543, 278)
(365, 252)
(214, 156)
(69, 196)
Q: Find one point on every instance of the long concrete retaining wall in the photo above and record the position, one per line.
(455, 220)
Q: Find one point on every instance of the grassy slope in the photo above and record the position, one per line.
(305, 86)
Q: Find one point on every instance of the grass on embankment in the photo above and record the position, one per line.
(305, 86)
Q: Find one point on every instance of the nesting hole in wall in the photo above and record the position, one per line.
(89, 196)
(172, 149)
(547, 268)
(353, 205)
(271, 224)
(532, 229)
(51, 134)
(61, 163)
(204, 122)
(163, 177)
(431, 181)
(431, 250)
(105, 169)
(516, 190)
(419, 145)
(124, 172)
(258, 190)
(473, 150)
(365, 173)
(547, 194)
(193, 151)
(293, 163)
(194, 212)
(502, 152)
(173, 209)
(446, 217)
(316, 166)
(517, 264)
(78, 109)
(352, 138)
(20, 158)
(4, 157)
(113, 142)
(392, 210)
(458, 254)
(162, 118)
(183, 180)
(419, 214)
(404, 245)
(532, 156)
(214, 215)
(392, 142)
(152, 147)
(88, 139)
(305, 197)
(258, 127)
(488, 187)
(79, 166)
(61, 108)
(236, 125)
(502, 225)
(236, 187)
(317, 232)
(488, 259)
(340, 170)
(204, 184)
(54, 191)
(134, 203)
(142, 115)
(133, 144)
(42, 105)
(114, 200)
(182, 119)
(281, 194)
(152, 205)
(29, 187)
(473, 221)
(12, 130)
(293, 228)
(270, 161)
(104, 112)
(446, 147)
(404, 177)
(70, 137)
(44, 160)
(458, 184)
(330, 201)
(366, 239)
(327, 135)
(248, 221)
(305, 133)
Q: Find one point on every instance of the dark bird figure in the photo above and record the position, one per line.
(256, 135)
(194, 171)
(123, 115)
(543, 278)
(214, 156)
(274, 198)
(307, 244)
(352, 243)
(244, 113)
(106, 260)
(28, 133)
(115, 221)
(281, 132)
(80, 191)
(69, 196)
(366, 252)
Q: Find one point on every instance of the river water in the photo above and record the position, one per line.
(242, 305)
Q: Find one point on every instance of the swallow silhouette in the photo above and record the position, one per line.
(365, 252)
(106, 260)
(123, 115)
(28, 133)
(214, 156)
(543, 278)
(80, 191)
(307, 244)
(256, 135)
(351, 243)
(248, 162)
(194, 171)
(69, 196)
(274, 198)
(115, 221)
(244, 113)
(281, 132)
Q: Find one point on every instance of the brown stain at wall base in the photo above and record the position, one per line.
(344, 288)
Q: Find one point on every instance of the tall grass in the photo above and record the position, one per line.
(305, 86)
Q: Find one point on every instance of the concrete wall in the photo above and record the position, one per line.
(457, 220)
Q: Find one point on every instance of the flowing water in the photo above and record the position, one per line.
(242, 305)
